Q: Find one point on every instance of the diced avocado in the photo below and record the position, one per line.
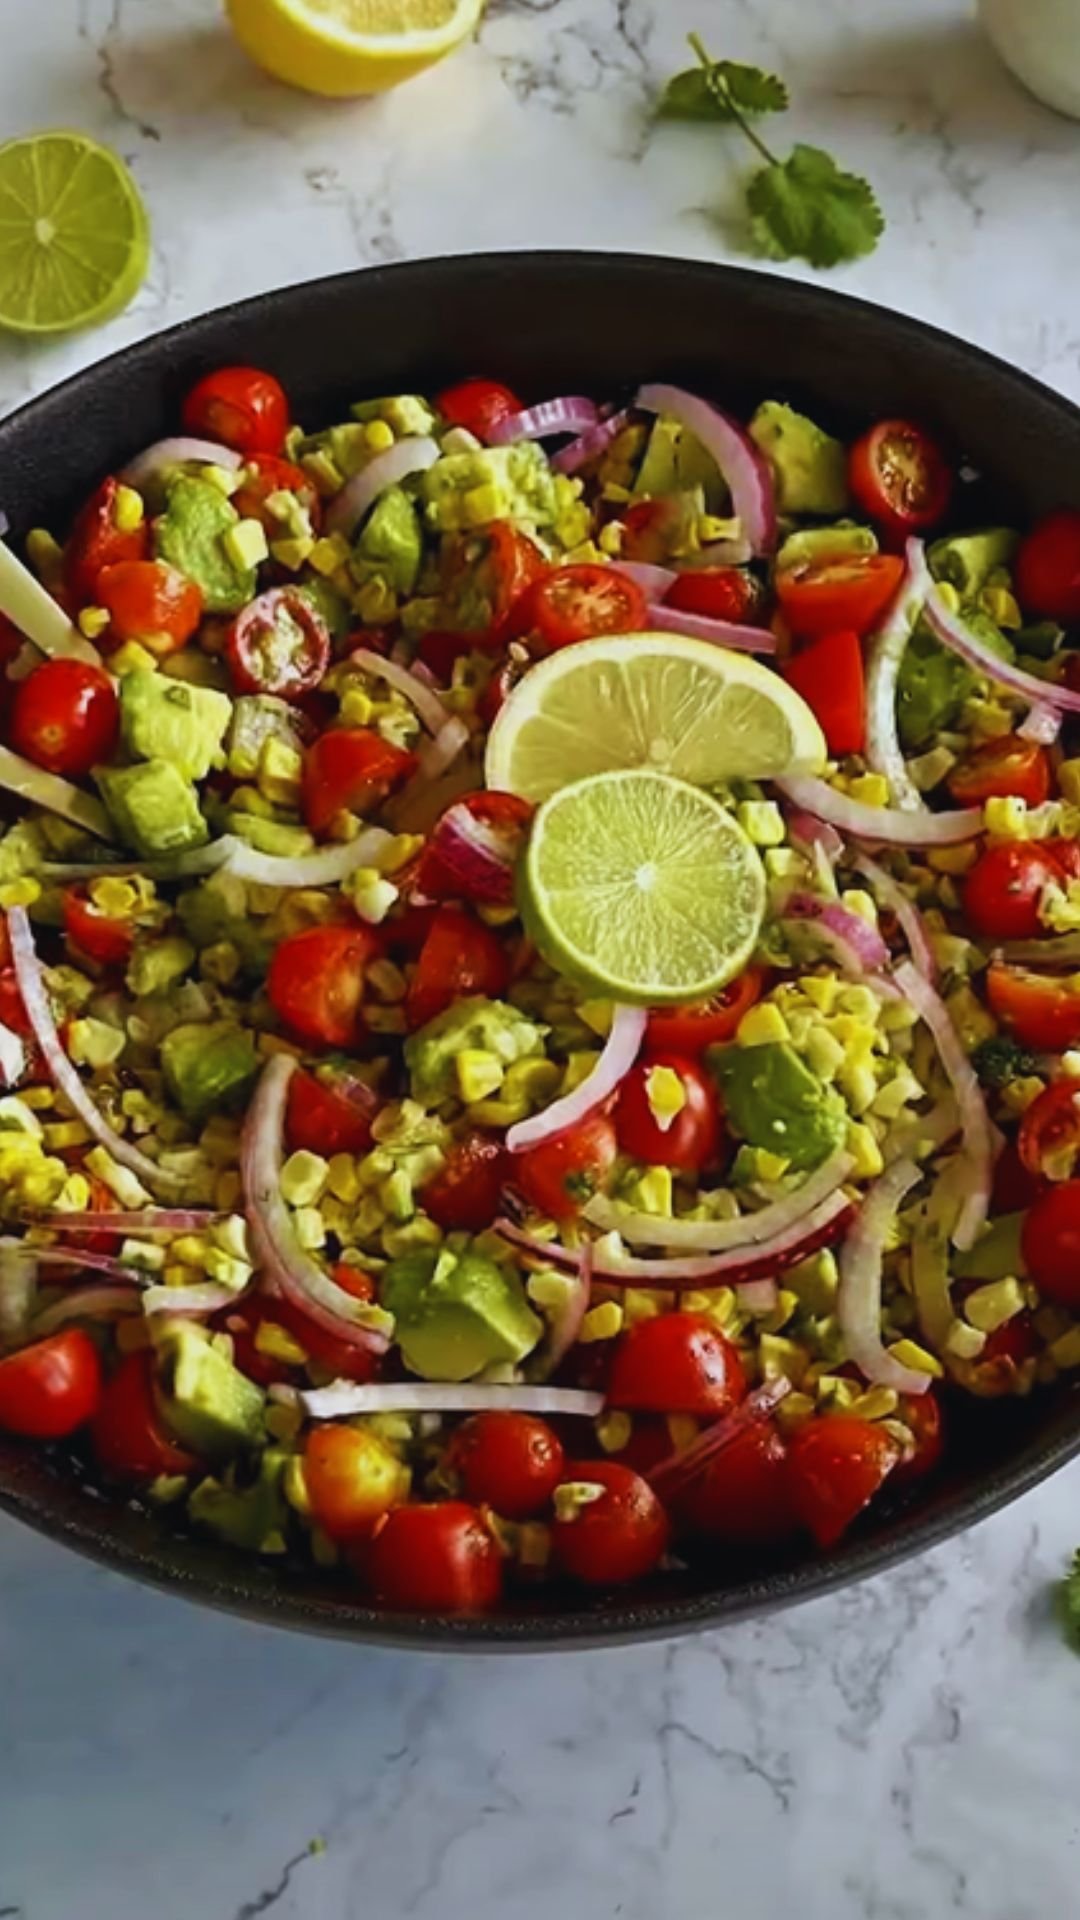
(455, 1314)
(465, 490)
(207, 1403)
(490, 1025)
(208, 1065)
(674, 461)
(773, 1100)
(189, 536)
(256, 718)
(933, 683)
(407, 413)
(216, 911)
(997, 1255)
(167, 720)
(331, 606)
(391, 543)
(809, 466)
(22, 850)
(810, 545)
(153, 808)
(1042, 638)
(156, 965)
(966, 560)
(270, 836)
(253, 1517)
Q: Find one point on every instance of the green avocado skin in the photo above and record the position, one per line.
(189, 536)
(773, 1100)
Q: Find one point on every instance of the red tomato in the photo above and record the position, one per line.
(922, 1413)
(464, 1195)
(676, 1363)
(510, 1461)
(689, 1030)
(278, 644)
(101, 936)
(478, 405)
(1040, 1010)
(1000, 768)
(264, 474)
(243, 1322)
(341, 1359)
(1049, 1138)
(1047, 569)
(459, 957)
(352, 1479)
(1003, 889)
(1008, 1347)
(900, 477)
(836, 1465)
(243, 406)
(128, 1439)
(559, 1176)
(485, 577)
(49, 1389)
(498, 689)
(96, 541)
(436, 1558)
(573, 603)
(1051, 1243)
(618, 1537)
(743, 1497)
(692, 1139)
(830, 596)
(325, 1116)
(829, 675)
(719, 593)
(65, 717)
(457, 866)
(316, 982)
(151, 602)
(1014, 1187)
(350, 769)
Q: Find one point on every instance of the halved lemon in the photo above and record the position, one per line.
(344, 47)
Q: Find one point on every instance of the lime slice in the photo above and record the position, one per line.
(74, 237)
(650, 700)
(642, 887)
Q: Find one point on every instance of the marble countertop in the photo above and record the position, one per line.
(898, 1752)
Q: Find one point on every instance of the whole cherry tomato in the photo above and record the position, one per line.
(350, 769)
(836, 1465)
(510, 1461)
(51, 1388)
(900, 477)
(65, 717)
(316, 982)
(352, 1478)
(436, 1558)
(619, 1536)
(676, 1363)
(689, 1140)
(464, 1195)
(574, 603)
(1041, 1010)
(559, 1176)
(278, 644)
(705, 1023)
(742, 1497)
(478, 405)
(1047, 568)
(837, 596)
(1003, 889)
(1051, 1243)
(1000, 768)
(460, 956)
(243, 406)
(104, 937)
(151, 602)
(127, 1436)
(97, 541)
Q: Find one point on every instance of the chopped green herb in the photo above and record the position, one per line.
(1070, 1603)
(716, 90)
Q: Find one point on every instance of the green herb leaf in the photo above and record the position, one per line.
(1070, 1603)
(805, 207)
(751, 90)
(720, 91)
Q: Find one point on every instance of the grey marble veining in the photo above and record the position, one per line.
(904, 1751)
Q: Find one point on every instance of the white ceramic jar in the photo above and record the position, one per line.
(1039, 41)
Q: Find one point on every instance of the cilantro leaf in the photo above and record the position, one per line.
(752, 90)
(805, 207)
(721, 90)
(1070, 1603)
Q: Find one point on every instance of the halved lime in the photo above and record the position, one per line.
(655, 700)
(642, 887)
(74, 236)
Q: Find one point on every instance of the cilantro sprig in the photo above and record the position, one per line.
(804, 207)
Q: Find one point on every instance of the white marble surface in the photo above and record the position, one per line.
(901, 1752)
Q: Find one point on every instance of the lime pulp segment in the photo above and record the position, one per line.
(74, 237)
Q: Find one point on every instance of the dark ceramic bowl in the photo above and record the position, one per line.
(552, 323)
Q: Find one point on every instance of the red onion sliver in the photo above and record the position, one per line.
(345, 1397)
(975, 1124)
(742, 465)
(759, 1296)
(565, 1325)
(718, 633)
(885, 653)
(809, 832)
(859, 1297)
(155, 460)
(89, 1303)
(39, 788)
(437, 755)
(593, 442)
(84, 1260)
(653, 581)
(883, 826)
(481, 857)
(717, 1236)
(206, 1296)
(858, 947)
(619, 1053)
(145, 1220)
(325, 868)
(1043, 724)
(12, 1056)
(671, 1474)
(892, 896)
(570, 413)
(40, 1015)
(954, 633)
(429, 708)
(413, 455)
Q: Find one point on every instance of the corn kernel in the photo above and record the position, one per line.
(909, 1354)
(277, 1343)
(342, 1179)
(303, 1178)
(990, 1307)
(597, 1015)
(128, 509)
(865, 1152)
(93, 622)
(793, 1412)
(131, 658)
(572, 1495)
(959, 859)
(1006, 817)
(610, 538)
(601, 1323)
(762, 822)
(66, 1133)
(856, 900)
(652, 1192)
(246, 544)
(877, 1403)
(309, 1228)
(613, 1431)
(763, 1025)
(375, 601)
(872, 789)
(1019, 1094)
(947, 594)
(121, 1182)
(293, 551)
(329, 553)
(964, 1342)
(639, 1303)
(781, 1356)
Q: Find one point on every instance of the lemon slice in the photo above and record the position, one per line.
(346, 47)
(642, 887)
(654, 700)
(74, 236)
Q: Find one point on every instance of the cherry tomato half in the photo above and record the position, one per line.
(829, 675)
(316, 982)
(676, 1363)
(835, 596)
(151, 602)
(51, 1388)
(464, 1195)
(1050, 1241)
(104, 937)
(1003, 889)
(1040, 1010)
(484, 579)
(460, 956)
(243, 406)
(559, 1176)
(1049, 1138)
(352, 1478)
(836, 1465)
(719, 593)
(1047, 568)
(436, 1558)
(278, 644)
(922, 1413)
(341, 1359)
(350, 769)
(127, 1436)
(328, 1113)
(617, 1537)
(474, 858)
(264, 474)
(574, 603)
(690, 1140)
(96, 541)
(743, 1497)
(65, 717)
(900, 477)
(478, 405)
(1000, 768)
(705, 1023)
(510, 1461)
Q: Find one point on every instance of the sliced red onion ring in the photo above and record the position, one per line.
(12, 1056)
(954, 633)
(743, 467)
(718, 633)
(653, 581)
(857, 946)
(565, 1325)
(1043, 724)
(84, 1260)
(570, 413)
(18, 1286)
(593, 442)
(182, 866)
(975, 1124)
(413, 455)
(930, 1255)
(40, 1015)
(345, 1397)
(672, 1475)
(282, 1259)
(620, 1050)
(812, 833)
(859, 1299)
(429, 708)
(145, 1220)
(206, 1296)
(481, 857)
(883, 826)
(885, 654)
(54, 793)
(90, 1303)
(890, 894)
(149, 466)
(717, 1236)
(322, 869)
(437, 755)
(25, 602)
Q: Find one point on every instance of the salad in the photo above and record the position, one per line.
(539, 980)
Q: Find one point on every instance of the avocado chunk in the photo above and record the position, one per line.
(153, 808)
(170, 720)
(206, 1402)
(810, 546)
(270, 836)
(809, 466)
(157, 965)
(773, 1100)
(252, 1517)
(465, 490)
(998, 1255)
(675, 462)
(457, 1313)
(487, 1024)
(966, 560)
(208, 1065)
(331, 606)
(933, 683)
(391, 543)
(216, 911)
(189, 536)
